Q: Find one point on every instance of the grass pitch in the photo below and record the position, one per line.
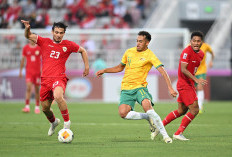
(99, 131)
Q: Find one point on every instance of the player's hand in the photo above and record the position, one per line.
(173, 93)
(201, 81)
(99, 73)
(210, 64)
(20, 75)
(26, 24)
(86, 72)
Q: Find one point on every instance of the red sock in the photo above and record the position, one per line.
(170, 117)
(65, 115)
(37, 102)
(184, 123)
(27, 102)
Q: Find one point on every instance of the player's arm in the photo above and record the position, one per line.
(85, 60)
(21, 67)
(27, 32)
(115, 69)
(167, 80)
(185, 71)
(212, 58)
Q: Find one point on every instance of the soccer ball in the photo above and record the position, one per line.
(65, 136)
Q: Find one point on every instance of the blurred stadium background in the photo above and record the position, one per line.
(106, 28)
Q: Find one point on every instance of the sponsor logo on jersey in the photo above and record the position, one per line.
(50, 45)
(142, 59)
(64, 49)
(37, 52)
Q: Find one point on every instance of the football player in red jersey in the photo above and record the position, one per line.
(190, 60)
(55, 53)
(32, 54)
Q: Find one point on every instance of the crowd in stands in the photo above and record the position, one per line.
(75, 13)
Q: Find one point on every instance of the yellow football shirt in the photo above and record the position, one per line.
(202, 69)
(138, 64)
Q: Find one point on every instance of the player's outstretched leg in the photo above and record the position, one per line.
(51, 130)
(132, 115)
(157, 121)
(184, 123)
(126, 113)
(187, 119)
(170, 117)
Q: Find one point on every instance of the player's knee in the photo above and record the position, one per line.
(28, 89)
(182, 111)
(122, 114)
(58, 98)
(146, 103)
(194, 111)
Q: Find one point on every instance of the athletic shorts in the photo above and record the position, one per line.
(129, 97)
(200, 76)
(33, 78)
(48, 85)
(187, 96)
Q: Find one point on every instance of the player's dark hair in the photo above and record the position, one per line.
(59, 25)
(197, 33)
(146, 34)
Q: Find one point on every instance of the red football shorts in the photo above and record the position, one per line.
(187, 96)
(48, 85)
(33, 78)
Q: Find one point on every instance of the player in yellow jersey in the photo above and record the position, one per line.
(201, 73)
(137, 62)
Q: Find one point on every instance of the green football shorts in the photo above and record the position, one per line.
(129, 97)
(200, 76)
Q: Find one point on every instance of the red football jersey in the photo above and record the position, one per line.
(193, 59)
(33, 57)
(55, 55)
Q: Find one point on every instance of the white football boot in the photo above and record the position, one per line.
(154, 130)
(180, 137)
(167, 140)
(154, 134)
(51, 130)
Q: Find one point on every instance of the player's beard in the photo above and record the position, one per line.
(57, 41)
(140, 49)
